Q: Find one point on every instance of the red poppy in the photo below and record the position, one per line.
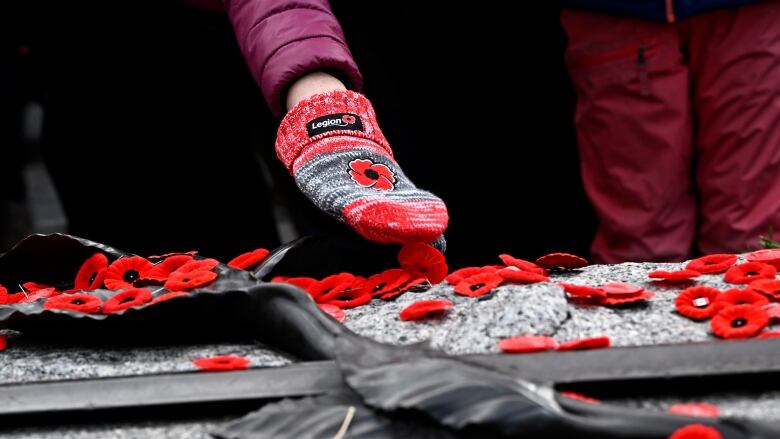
(773, 310)
(386, 281)
(740, 297)
(584, 291)
(404, 288)
(9, 299)
(168, 296)
(124, 271)
(374, 175)
(622, 300)
(179, 281)
(768, 287)
(91, 273)
(585, 343)
(696, 431)
(248, 260)
(423, 259)
(580, 397)
(769, 256)
(712, 263)
(702, 410)
(456, 276)
(514, 274)
(621, 289)
(748, 272)
(79, 302)
(333, 311)
(33, 286)
(671, 276)
(522, 264)
(739, 321)
(199, 265)
(561, 261)
(425, 308)
(332, 286)
(126, 299)
(222, 363)
(527, 343)
(479, 285)
(3, 342)
(163, 269)
(44, 293)
(350, 298)
(769, 334)
(698, 302)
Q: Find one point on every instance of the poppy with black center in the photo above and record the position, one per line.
(739, 321)
(748, 272)
(124, 271)
(127, 299)
(479, 285)
(91, 273)
(79, 302)
(179, 281)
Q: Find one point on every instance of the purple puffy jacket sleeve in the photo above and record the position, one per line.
(282, 40)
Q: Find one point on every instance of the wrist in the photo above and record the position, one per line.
(312, 84)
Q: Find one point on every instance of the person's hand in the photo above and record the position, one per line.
(332, 145)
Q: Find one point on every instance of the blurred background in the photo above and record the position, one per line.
(138, 125)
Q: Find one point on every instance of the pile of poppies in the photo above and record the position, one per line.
(171, 275)
(735, 313)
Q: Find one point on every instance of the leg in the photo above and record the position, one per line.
(735, 60)
(634, 132)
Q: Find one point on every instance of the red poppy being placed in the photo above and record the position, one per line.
(712, 263)
(333, 311)
(584, 291)
(169, 296)
(248, 260)
(124, 271)
(79, 302)
(386, 281)
(740, 297)
(697, 302)
(696, 431)
(514, 274)
(91, 273)
(622, 300)
(702, 410)
(374, 175)
(748, 272)
(456, 276)
(768, 287)
(3, 342)
(522, 264)
(621, 289)
(127, 299)
(179, 281)
(671, 276)
(585, 343)
(198, 265)
(739, 321)
(222, 363)
(479, 285)
(769, 334)
(423, 259)
(580, 397)
(425, 308)
(163, 269)
(527, 343)
(769, 256)
(561, 261)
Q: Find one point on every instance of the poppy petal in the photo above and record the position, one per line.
(671, 276)
(710, 264)
(182, 281)
(585, 343)
(522, 264)
(514, 274)
(621, 289)
(748, 272)
(561, 260)
(696, 431)
(702, 410)
(769, 256)
(425, 260)
(126, 299)
(163, 269)
(424, 308)
(580, 397)
(248, 260)
(527, 343)
(456, 276)
(222, 363)
(333, 311)
(168, 296)
(478, 285)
